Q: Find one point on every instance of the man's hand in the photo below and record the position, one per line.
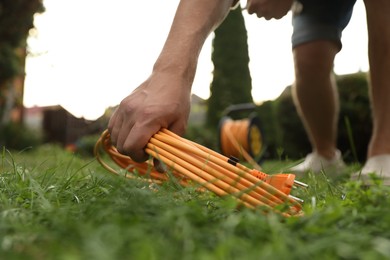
(269, 8)
(162, 101)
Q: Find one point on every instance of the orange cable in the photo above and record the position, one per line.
(190, 161)
(283, 182)
(216, 173)
(238, 170)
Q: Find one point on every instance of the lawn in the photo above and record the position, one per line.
(59, 205)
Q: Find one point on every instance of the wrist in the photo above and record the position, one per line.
(182, 67)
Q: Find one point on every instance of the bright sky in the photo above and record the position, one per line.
(90, 54)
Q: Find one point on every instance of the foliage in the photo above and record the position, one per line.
(355, 121)
(232, 83)
(16, 19)
(54, 205)
(15, 136)
(295, 141)
(85, 145)
(9, 63)
(285, 133)
(272, 133)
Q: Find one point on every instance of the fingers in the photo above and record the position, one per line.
(159, 166)
(136, 141)
(258, 9)
(252, 7)
(260, 12)
(131, 140)
(145, 111)
(178, 127)
(131, 129)
(114, 126)
(269, 9)
(126, 138)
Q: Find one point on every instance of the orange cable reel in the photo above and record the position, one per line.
(244, 139)
(241, 138)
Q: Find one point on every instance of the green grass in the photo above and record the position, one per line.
(55, 205)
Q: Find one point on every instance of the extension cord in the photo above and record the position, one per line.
(190, 162)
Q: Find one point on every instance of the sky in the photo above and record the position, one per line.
(87, 55)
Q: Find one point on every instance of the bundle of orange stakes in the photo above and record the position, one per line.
(190, 164)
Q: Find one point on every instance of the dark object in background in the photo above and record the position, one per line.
(285, 131)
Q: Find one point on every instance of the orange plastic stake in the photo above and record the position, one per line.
(191, 163)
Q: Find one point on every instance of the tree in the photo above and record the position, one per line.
(232, 83)
(16, 20)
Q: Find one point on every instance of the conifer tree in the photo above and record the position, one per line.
(232, 83)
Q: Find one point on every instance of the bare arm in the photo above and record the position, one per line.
(193, 22)
(163, 100)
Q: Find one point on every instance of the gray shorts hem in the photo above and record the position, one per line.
(316, 32)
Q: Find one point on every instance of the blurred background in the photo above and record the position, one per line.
(65, 65)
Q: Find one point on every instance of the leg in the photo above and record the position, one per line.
(378, 155)
(315, 94)
(378, 23)
(316, 41)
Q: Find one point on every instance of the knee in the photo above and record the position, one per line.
(309, 71)
(314, 61)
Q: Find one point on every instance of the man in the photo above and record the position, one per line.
(163, 100)
(316, 41)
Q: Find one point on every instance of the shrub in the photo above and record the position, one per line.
(354, 126)
(355, 121)
(85, 145)
(16, 136)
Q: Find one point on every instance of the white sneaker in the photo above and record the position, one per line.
(379, 165)
(317, 163)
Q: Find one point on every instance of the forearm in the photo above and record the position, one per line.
(193, 22)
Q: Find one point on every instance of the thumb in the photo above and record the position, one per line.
(159, 166)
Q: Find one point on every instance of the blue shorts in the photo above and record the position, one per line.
(321, 20)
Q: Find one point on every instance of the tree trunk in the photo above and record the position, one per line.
(12, 90)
